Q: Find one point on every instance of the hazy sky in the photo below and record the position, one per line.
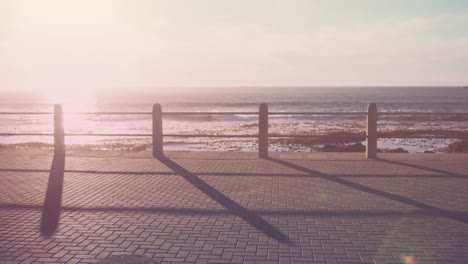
(57, 44)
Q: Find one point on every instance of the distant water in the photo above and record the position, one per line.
(327, 99)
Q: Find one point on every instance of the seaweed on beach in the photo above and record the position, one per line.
(459, 146)
(336, 139)
(424, 133)
(426, 118)
(341, 137)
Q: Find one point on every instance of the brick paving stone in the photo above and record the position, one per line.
(236, 208)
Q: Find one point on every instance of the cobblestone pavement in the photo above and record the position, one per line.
(196, 207)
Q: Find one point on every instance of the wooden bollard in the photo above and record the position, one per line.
(263, 131)
(371, 141)
(158, 150)
(59, 133)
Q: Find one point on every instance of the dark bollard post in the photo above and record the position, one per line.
(158, 151)
(371, 142)
(53, 199)
(263, 131)
(59, 133)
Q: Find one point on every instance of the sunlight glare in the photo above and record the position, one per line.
(73, 101)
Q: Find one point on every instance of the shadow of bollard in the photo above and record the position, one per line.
(53, 198)
(237, 209)
(432, 210)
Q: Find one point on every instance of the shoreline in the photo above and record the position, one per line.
(276, 145)
(145, 154)
(348, 139)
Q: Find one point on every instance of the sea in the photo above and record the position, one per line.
(413, 133)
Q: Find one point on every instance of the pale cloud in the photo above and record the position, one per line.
(390, 52)
(118, 48)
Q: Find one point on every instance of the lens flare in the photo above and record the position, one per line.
(409, 260)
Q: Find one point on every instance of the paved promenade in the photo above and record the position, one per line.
(196, 207)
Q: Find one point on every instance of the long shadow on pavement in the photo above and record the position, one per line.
(53, 199)
(432, 209)
(445, 175)
(237, 209)
(190, 211)
(449, 174)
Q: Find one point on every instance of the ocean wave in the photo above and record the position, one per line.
(211, 118)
